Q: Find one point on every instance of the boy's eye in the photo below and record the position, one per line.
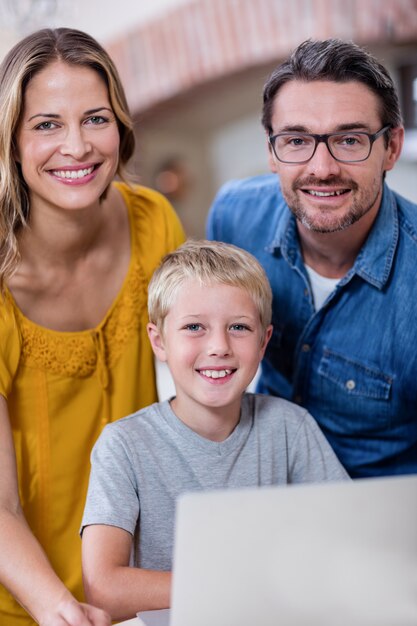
(239, 327)
(193, 327)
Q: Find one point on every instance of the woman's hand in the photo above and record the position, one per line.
(24, 567)
(73, 613)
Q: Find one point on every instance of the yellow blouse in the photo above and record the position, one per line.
(63, 387)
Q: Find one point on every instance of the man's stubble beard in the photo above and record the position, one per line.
(332, 222)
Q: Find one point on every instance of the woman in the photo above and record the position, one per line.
(76, 253)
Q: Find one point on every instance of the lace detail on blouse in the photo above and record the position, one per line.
(78, 354)
(75, 354)
(66, 355)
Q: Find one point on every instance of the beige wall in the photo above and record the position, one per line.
(194, 71)
(104, 19)
(216, 132)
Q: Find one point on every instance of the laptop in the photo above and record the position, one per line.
(154, 618)
(332, 554)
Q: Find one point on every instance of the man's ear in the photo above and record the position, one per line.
(157, 341)
(271, 157)
(395, 144)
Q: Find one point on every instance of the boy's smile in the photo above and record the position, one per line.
(213, 342)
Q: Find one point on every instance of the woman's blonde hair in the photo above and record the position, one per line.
(209, 262)
(28, 57)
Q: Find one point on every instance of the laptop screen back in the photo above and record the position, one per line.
(305, 555)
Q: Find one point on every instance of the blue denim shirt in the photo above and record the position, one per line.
(353, 363)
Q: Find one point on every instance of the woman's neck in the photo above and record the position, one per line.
(61, 237)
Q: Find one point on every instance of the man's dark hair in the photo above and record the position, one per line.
(338, 61)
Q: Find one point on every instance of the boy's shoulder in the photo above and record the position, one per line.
(266, 409)
(265, 402)
(137, 422)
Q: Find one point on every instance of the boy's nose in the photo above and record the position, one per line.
(218, 344)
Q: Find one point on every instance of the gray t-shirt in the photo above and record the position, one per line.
(143, 462)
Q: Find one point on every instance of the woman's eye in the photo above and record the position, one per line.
(46, 126)
(97, 119)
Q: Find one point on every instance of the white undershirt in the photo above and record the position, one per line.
(321, 286)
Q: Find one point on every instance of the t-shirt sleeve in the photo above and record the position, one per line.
(112, 497)
(10, 348)
(311, 458)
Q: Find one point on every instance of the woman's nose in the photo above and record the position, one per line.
(75, 143)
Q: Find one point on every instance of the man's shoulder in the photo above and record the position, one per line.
(244, 205)
(252, 185)
(407, 212)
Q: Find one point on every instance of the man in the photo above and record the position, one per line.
(340, 250)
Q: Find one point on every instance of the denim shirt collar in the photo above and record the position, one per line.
(375, 259)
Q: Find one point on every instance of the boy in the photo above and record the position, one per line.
(210, 311)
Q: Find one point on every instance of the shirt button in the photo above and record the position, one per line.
(306, 292)
(350, 384)
(306, 347)
(298, 399)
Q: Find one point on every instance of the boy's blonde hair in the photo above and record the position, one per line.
(209, 262)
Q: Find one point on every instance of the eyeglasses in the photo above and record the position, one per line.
(347, 147)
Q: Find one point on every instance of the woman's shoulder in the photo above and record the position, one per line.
(147, 201)
(156, 228)
(8, 315)
(11, 342)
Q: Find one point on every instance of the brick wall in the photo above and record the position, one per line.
(208, 39)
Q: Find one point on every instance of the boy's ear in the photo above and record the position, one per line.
(267, 337)
(157, 342)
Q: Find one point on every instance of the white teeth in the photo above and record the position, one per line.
(325, 193)
(73, 174)
(215, 373)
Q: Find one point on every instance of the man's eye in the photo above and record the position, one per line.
(352, 140)
(297, 141)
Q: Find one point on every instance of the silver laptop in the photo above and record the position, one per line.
(154, 618)
(340, 554)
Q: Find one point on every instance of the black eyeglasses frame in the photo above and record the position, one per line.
(325, 139)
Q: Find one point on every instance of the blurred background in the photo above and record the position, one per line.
(193, 71)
